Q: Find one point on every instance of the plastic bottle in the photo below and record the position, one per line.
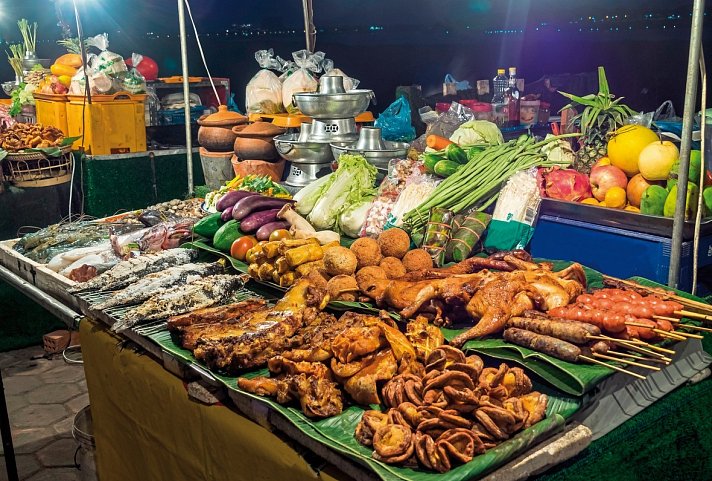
(499, 85)
(511, 99)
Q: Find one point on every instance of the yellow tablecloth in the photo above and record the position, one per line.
(146, 427)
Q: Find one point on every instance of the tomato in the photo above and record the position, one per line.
(279, 234)
(239, 248)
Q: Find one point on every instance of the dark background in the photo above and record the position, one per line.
(643, 44)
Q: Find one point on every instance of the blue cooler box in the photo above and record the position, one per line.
(617, 252)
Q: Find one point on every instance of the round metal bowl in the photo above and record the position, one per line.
(292, 150)
(377, 158)
(333, 130)
(334, 106)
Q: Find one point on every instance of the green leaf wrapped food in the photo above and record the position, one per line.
(437, 234)
(466, 237)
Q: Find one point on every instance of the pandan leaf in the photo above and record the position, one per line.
(603, 82)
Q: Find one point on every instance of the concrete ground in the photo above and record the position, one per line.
(43, 396)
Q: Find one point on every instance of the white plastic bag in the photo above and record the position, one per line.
(133, 81)
(302, 80)
(350, 83)
(263, 93)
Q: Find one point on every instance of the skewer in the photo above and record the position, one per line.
(638, 342)
(682, 325)
(614, 281)
(640, 358)
(634, 347)
(624, 361)
(694, 315)
(669, 335)
(682, 334)
(610, 366)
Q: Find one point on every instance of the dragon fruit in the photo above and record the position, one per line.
(563, 184)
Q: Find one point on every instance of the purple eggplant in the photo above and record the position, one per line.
(266, 230)
(231, 198)
(248, 205)
(226, 215)
(257, 219)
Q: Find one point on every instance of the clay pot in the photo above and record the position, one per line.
(215, 132)
(258, 167)
(255, 141)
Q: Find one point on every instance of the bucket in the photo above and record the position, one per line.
(83, 433)
(217, 168)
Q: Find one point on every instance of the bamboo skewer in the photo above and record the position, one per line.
(694, 315)
(614, 281)
(669, 335)
(637, 348)
(610, 366)
(639, 343)
(682, 325)
(684, 334)
(638, 357)
(678, 336)
(625, 361)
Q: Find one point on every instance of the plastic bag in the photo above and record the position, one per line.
(302, 80)
(350, 83)
(642, 118)
(134, 82)
(263, 93)
(109, 63)
(394, 122)
(515, 213)
(418, 186)
(451, 86)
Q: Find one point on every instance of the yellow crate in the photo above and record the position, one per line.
(115, 124)
(51, 110)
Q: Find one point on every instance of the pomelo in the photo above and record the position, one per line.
(626, 144)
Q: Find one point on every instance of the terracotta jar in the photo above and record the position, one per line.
(258, 167)
(256, 141)
(215, 133)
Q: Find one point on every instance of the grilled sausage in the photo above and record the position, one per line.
(570, 331)
(546, 344)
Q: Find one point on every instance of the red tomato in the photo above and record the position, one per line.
(239, 248)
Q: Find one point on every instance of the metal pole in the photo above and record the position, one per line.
(693, 59)
(186, 94)
(309, 29)
(703, 169)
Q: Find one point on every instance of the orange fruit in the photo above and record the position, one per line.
(602, 161)
(615, 198)
(590, 201)
(631, 208)
(626, 144)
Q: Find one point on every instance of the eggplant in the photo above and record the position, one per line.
(248, 205)
(226, 215)
(231, 198)
(266, 230)
(257, 219)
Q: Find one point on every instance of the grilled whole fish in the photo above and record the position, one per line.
(158, 281)
(130, 271)
(201, 293)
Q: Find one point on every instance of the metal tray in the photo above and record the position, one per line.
(621, 219)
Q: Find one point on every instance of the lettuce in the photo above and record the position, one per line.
(477, 132)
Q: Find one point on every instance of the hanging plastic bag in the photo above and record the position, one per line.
(134, 82)
(394, 122)
(451, 86)
(303, 79)
(263, 93)
(108, 69)
(350, 83)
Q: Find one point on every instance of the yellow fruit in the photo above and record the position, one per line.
(602, 161)
(70, 59)
(58, 70)
(625, 147)
(590, 201)
(615, 198)
(631, 208)
(656, 160)
(65, 80)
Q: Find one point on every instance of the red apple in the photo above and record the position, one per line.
(636, 186)
(603, 177)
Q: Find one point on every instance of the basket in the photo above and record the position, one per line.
(35, 169)
(177, 116)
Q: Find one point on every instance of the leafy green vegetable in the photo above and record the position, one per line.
(21, 96)
(477, 132)
(352, 218)
(351, 182)
(307, 197)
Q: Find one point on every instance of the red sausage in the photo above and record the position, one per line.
(585, 299)
(664, 325)
(603, 303)
(643, 311)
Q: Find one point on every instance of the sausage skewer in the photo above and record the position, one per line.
(638, 348)
(682, 325)
(571, 331)
(625, 361)
(637, 357)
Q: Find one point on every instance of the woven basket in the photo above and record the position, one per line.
(36, 170)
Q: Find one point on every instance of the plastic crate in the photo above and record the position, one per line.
(114, 124)
(177, 116)
(616, 252)
(52, 110)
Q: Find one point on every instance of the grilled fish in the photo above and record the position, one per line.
(201, 293)
(130, 271)
(157, 282)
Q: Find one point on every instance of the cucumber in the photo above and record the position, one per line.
(208, 226)
(456, 154)
(446, 168)
(226, 235)
(429, 160)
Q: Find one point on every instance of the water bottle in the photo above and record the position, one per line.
(499, 85)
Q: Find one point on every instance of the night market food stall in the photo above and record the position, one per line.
(373, 318)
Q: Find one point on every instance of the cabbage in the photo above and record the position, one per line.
(352, 218)
(558, 151)
(351, 182)
(477, 132)
(307, 197)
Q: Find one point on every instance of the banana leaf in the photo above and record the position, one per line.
(338, 432)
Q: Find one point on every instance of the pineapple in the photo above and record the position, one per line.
(601, 116)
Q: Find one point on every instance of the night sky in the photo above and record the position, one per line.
(420, 40)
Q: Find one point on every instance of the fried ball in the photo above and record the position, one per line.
(340, 260)
(394, 242)
(417, 260)
(363, 276)
(367, 252)
(393, 267)
(342, 288)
